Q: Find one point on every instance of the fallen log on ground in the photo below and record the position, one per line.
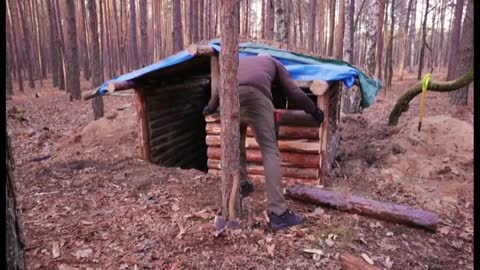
(382, 210)
(350, 262)
(402, 103)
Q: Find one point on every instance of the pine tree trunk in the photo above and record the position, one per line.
(300, 21)
(200, 17)
(14, 231)
(229, 110)
(460, 97)
(194, 26)
(332, 28)
(454, 44)
(311, 24)
(60, 49)
(389, 52)
(177, 25)
(280, 22)
(321, 27)
(37, 52)
(424, 41)
(83, 41)
(438, 58)
(134, 60)
(379, 49)
(411, 38)
(349, 38)
(372, 36)
(27, 52)
(13, 16)
(270, 20)
(143, 31)
(97, 102)
(73, 71)
(403, 48)
(340, 30)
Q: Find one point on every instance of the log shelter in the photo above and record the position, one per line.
(172, 131)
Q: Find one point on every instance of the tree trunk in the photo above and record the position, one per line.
(321, 27)
(201, 25)
(454, 44)
(83, 41)
(349, 36)
(134, 59)
(379, 48)
(8, 65)
(73, 71)
(97, 102)
(340, 30)
(403, 48)
(270, 20)
(27, 52)
(389, 62)
(442, 30)
(311, 25)
(411, 38)
(13, 16)
(194, 26)
(229, 110)
(143, 31)
(372, 36)
(281, 33)
(38, 48)
(60, 49)
(14, 230)
(424, 42)
(300, 21)
(460, 97)
(177, 25)
(332, 28)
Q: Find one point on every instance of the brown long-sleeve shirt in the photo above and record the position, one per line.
(260, 72)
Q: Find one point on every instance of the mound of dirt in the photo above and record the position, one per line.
(116, 129)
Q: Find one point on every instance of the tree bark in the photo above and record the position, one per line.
(389, 62)
(402, 106)
(229, 110)
(349, 37)
(73, 70)
(61, 52)
(83, 41)
(97, 102)
(403, 48)
(281, 31)
(14, 230)
(460, 97)
(143, 31)
(134, 59)
(340, 30)
(177, 25)
(332, 28)
(311, 25)
(411, 38)
(424, 42)
(455, 41)
(13, 16)
(371, 38)
(27, 51)
(379, 48)
(270, 20)
(300, 21)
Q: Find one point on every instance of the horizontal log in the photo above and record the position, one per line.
(259, 170)
(120, 85)
(285, 132)
(286, 181)
(196, 49)
(293, 146)
(351, 262)
(287, 117)
(356, 204)
(287, 159)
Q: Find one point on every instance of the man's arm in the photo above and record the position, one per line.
(212, 104)
(294, 93)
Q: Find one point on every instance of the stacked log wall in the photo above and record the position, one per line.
(176, 127)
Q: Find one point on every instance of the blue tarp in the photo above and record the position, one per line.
(300, 67)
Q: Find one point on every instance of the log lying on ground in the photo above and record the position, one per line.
(293, 146)
(402, 103)
(285, 132)
(350, 262)
(381, 210)
(288, 159)
(287, 117)
(307, 173)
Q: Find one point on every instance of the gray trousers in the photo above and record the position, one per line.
(256, 111)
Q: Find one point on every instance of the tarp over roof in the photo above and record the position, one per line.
(299, 66)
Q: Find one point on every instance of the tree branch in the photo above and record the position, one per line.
(402, 104)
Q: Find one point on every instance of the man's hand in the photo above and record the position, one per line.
(206, 111)
(318, 115)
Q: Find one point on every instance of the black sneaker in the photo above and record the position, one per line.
(287, 219)
(246, 188)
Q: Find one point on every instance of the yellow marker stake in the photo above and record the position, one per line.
(425, 82)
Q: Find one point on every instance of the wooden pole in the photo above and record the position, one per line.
(141, 106)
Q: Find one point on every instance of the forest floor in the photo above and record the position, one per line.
(92, 204)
